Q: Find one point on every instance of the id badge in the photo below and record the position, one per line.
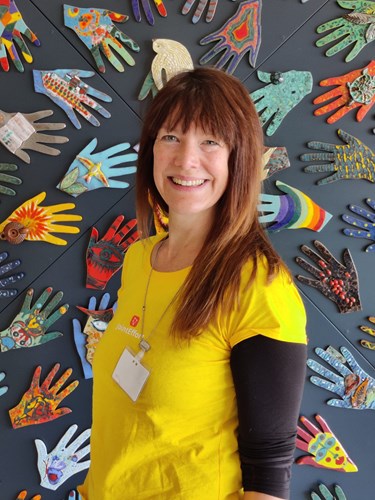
(130, 374)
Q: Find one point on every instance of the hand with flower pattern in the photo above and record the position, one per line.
(66, 88)
(355, 387)
(105, 257)
(19, 131)
(338, 282)
(96, 30)
(355, 89)
(64, 460)
(12, 30)
(357, 27)
(9, 280)
(147, 9)
(28, 328)
(36, 223)
(324, 448)
(240, 34)
(354, 160)
(8, 179)
(40, 403)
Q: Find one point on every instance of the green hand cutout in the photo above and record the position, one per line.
(9, 179)
(284, 92)
(355, 160)
(28, 329)
(357, 27)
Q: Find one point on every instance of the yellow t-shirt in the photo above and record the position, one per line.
(178, 440)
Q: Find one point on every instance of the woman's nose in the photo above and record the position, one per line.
(187, 156)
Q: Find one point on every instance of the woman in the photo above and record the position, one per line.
(198, 379)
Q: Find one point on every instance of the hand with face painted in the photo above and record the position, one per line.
(325, 449)
(105, 257)
(28, 328)
(64, 460)
(353, 385)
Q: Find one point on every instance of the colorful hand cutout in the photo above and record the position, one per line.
(74, 495)
(5, 292)
(28, 328)
(19, 131)
(12, 30)
(355, 388)
(275, 160)
(105, 257)
(3, 388)
(212, 4)
(325, 449)
(148, 12)
(22, 495)
(370, 331)
(87, 339)
(66, 89)
(325, 494)
(33, 222)
(9, 179)
(90, 171)
(336, 281)
(283, 92)
(353, 90)
(355, 160)
(357, 27)
(40, 403)
(240, 34)
(64, 460)
(96, 30)
(292, 210)
(367, 226)
(171, 58)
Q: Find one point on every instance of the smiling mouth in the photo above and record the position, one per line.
(182, 182)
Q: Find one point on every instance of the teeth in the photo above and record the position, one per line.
(181, 182)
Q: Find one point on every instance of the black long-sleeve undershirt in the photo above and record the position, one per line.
(268, 377)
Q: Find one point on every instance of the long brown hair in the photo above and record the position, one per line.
(221, 105)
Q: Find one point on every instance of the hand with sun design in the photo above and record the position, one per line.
(33, 222)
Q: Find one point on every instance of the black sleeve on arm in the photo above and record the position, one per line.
(268, 377)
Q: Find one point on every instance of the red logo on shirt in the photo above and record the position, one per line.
(134, 321)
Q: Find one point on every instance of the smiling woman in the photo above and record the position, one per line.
(199, 399)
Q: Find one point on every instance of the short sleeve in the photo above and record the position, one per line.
(273, 309)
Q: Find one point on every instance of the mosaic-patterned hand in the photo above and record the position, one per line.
(96, 30)
(90, 171)
(6, 292)
(283, 92)
(351, 383)
(28, 328)
(105, 257)
(239, 35)
(36, 223)
(366, 225)
(355, 89)
(292, 210)
(12, 30)
(40, 403)
(325, 494)
(325, 449)
(357, 27)
(8, 179)
(64, 460)
(338, 282)
(355, 160)
(19, 131)
(148, 11)
(66, 89)
(86, 339)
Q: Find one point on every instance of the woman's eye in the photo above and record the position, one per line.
(211, 142)
(169, 138)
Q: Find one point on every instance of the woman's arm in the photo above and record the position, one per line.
(268, 377)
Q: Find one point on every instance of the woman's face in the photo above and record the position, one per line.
(190, 169)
